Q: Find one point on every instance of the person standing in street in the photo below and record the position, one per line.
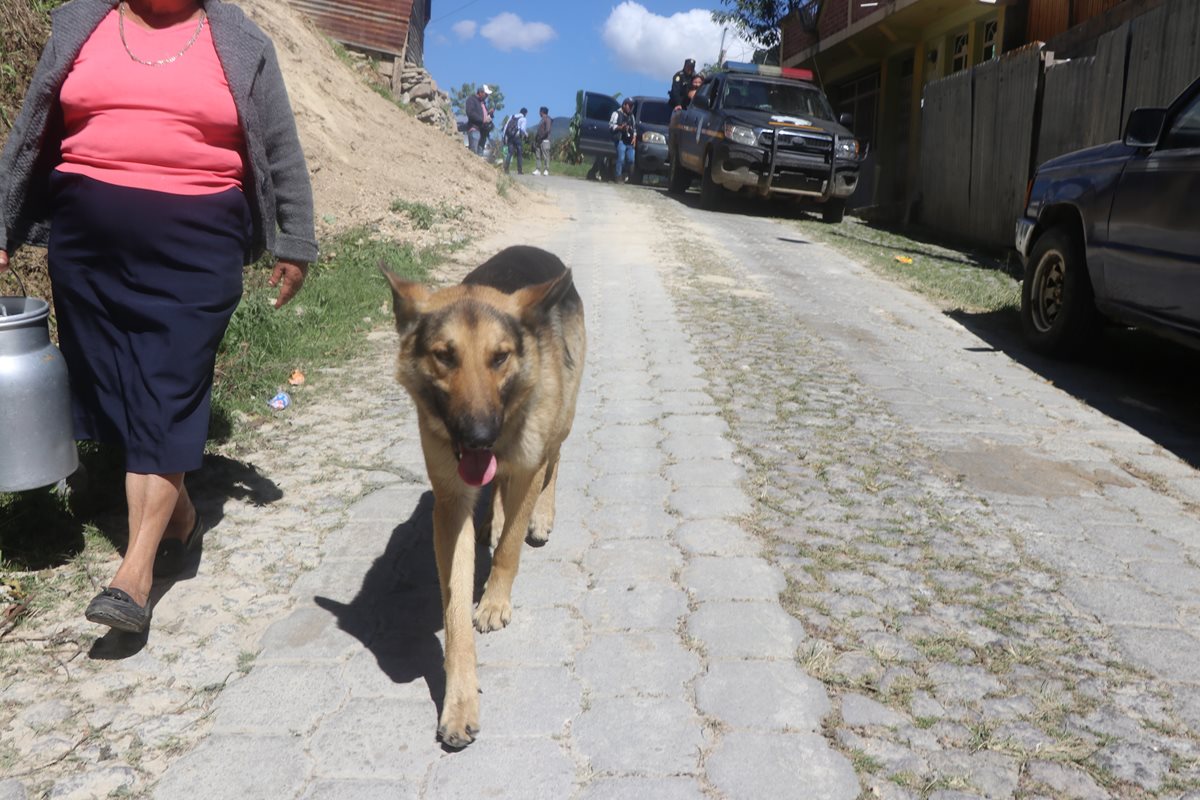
(155, 155)
(541, 143)
(515, 135)
(623, 127)
(478, 118)
(681, 83)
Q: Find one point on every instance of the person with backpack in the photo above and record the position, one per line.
(515, 136)
(541, 143)
(623, 127)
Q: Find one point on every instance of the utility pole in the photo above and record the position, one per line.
(721, 52)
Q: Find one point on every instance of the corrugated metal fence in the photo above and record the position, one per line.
(1024, 108)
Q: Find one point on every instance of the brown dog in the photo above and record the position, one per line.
(493, 366)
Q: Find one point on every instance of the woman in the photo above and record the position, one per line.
(155, 155)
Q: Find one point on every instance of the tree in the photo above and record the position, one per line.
(759, 20)
(458, 97)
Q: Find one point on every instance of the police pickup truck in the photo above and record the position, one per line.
(767, 131)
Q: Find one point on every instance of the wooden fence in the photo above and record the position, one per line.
(983, 131)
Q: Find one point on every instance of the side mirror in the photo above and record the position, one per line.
(1145, 127)
(846, 120)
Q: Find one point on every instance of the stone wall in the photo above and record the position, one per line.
(415, 87)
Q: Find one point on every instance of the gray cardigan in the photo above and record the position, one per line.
(276, 182)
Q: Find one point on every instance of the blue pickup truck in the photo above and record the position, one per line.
(764, 131)
(1114, 232)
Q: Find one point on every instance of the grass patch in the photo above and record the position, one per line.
(962, 279)
(343, 297)
(425, 216)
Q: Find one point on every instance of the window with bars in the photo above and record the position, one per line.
(960, 57)
(990, 30)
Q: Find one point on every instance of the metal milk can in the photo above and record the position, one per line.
(37, 439)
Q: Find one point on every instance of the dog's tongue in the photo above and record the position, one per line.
(477, 467)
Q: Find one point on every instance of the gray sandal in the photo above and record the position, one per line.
(173, 554)
(116, 609)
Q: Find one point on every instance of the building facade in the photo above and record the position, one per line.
(875, 57)
(389, 29)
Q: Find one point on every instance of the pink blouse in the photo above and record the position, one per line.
(170, 128)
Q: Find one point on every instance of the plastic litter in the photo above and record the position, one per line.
(296, 378)
(904, 259)
(280, 401)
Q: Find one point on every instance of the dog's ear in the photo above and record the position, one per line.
(408, 299)
(536, 302)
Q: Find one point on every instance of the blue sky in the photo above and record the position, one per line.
(541, 52)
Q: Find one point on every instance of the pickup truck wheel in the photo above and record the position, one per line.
(635, 175)
(710, 191)
(1058, 308)
(834, 211)
(677, 179)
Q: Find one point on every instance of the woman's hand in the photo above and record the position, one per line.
(291, 274)
(3, 260)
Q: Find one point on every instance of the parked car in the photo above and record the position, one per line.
(595, 139)
(653, 115)
(765, 131)
(1113, 232)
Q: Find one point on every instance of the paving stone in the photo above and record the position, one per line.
(633, 607)
(621, 521)
(862, 712)
(544, 583)
(393, 504)
(650, 736)
(758, 765)
(360, 790)
(542, 636)
(1171, 654)
(732, 630)
(955, 683)
(1066, 779)
(627, 461)
(632, 561)
(636, 663)
(371, 738)
(279, 699)
(713, 537)
(12, 789)
(245, 767)
(102, 781)
(618, 437)
(528, 701)
(712, 578)
(710, 502)
(762, 695)
(1139, 764)
(495, 767)
(637, 490)
(657, 788)
(890, 758)
(992, 774)
(1120, 601)
(313, 634)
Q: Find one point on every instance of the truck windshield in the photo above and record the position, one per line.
(792, 99)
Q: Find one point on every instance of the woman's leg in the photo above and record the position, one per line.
(155, 501)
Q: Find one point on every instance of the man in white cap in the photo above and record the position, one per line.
(479, 119)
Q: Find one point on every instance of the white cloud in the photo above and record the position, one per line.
(507, 32)
(655, 45)
(465, 29)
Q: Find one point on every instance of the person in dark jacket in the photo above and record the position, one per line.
(479, 119)
(155, 154)
(623, 127)
(681, 82)
(541, 142)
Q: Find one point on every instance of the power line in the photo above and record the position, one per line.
(452, 13)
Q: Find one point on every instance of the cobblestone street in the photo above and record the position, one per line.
(815, 539)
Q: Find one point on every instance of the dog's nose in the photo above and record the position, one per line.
(479, 433)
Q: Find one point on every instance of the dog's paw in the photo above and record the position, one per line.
(493, 613)
(538, 533)
(459, 724)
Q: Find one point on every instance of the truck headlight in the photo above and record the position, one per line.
(653, 137)
(740, 134)
(848, 149)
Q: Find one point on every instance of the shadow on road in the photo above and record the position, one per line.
(1137, 379)
(401, 592)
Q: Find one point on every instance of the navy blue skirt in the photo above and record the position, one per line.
(144, 286)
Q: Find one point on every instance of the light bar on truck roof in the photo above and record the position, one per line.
(768, 71)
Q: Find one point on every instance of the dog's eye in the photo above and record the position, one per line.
(444, 357)
(499, 359)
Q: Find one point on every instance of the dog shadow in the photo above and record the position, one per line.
(401, 593)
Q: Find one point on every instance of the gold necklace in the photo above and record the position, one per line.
(161, 61)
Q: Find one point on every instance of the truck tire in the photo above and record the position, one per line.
(678, 181)
(710, 191)
(635, 175)
(1058, 306)
(834, 211)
